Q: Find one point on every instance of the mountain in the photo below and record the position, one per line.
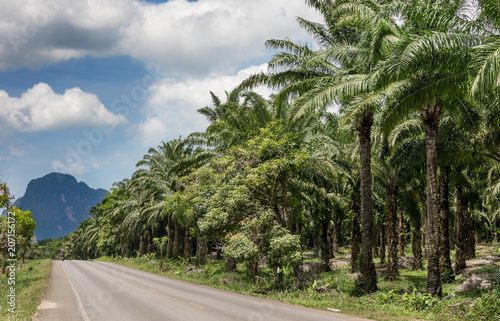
(59, 204)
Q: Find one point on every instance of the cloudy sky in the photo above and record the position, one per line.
(87, 86)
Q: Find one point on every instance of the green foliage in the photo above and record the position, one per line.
(414, 300)
(241, 249)
(285, 249)
(418, 301)
(494, 273)
(20, 227)
(390, 297)
(447, 276)
(486, 308)
(48, 249)
(31, 283)
(285, 276)
(4, 195)
(181, 265)
(160, 244)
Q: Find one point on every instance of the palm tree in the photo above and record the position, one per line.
(388, 177)
(234, 121)
(338, 72)
(490, 213)
(428, 72)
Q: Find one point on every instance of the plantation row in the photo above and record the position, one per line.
(412, 154)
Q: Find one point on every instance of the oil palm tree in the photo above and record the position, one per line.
(337, 73)
(234, 121)
(428, 72)
(387, 175)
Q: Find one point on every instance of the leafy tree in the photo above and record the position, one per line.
(25, 227)
(5, 196)
(241, 249)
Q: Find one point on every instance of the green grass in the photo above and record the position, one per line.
(31, 282)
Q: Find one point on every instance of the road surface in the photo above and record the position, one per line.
(88, 291)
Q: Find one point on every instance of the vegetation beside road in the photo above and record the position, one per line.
(31, 283)
(402, 299)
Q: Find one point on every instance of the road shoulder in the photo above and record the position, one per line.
(59, 302)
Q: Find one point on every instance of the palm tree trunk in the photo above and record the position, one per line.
(470, 239)
(337, 233)
(368, 280)
(401, 235)
(142, 245)
(355, 238)
(497, 233)
(375, 241)
(150, 245)
(417, 239)
(431, 115)
(382, 243)
(331, 240)
(170, 240)
(460, 226)
(416, 245)
(201, 249)
(392, 259)
(326, 253)
(178, 238)
(444, 228)
(188, 243)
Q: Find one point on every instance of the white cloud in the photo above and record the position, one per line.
(199, 37)
(72, 169)
(46, 31)
(152, 131)
(21, 149)
(210, 35)
(172, 105)
(41, 109)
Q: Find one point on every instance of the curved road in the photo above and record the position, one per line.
(88, 291)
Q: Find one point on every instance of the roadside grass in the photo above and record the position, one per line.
(31, 283)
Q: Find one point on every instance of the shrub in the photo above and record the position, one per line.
(447, 276)
(419, 301)
(240, 249)
(285, 250)
(390, 297)
(486, 308)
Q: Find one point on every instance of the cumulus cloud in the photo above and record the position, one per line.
(41, 109)
(202, 36)
(46, 31)
(172, 105)
(210, 35)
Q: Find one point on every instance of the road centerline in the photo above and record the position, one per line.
(196, 305)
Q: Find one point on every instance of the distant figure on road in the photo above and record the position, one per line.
(62, 254)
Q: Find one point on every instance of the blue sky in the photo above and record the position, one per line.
(87, 86)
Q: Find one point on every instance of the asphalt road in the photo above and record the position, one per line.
(88, 291)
